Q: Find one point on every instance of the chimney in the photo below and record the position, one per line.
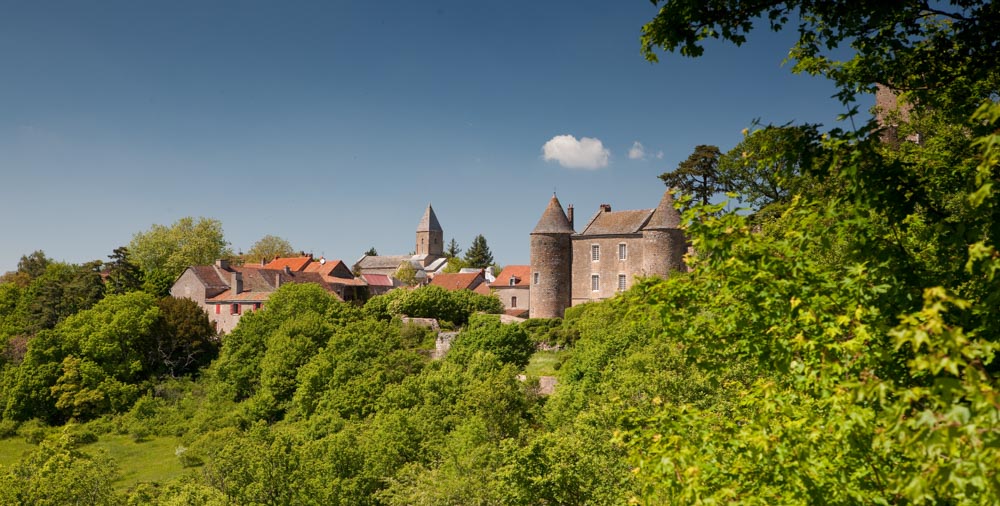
(263, 262)
(237, 283)
(569, 215)
(222, 264)
(606, 208)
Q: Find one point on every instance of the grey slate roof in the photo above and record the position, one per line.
(383, 261)
(553, 220)
(665, 216)
(429, 222)
(618, 222)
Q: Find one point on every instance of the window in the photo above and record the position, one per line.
(595, 252)
(513, 280)
(622, 280)
(513, 302)
(256, 306)
(536, 278)
(234, 309)
(218, 309)
(622, 251)
(595, 282)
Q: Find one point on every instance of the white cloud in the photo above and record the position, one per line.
(659, 155)
(586, 153)
(637, 152)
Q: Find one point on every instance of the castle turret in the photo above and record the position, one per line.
(551, 263)
(664, 241)
(430, 235)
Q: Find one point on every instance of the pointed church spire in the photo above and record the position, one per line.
(665, 216)
(429, 222)
(553, 220)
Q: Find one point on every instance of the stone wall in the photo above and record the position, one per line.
(523, 294)
(608, 267)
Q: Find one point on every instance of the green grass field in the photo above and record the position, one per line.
(149, 461)
(543, 363)
(12, 449)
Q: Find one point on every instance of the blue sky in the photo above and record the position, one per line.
(333, 124)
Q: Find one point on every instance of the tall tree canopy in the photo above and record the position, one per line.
(478, 255)
(766, 167)
(164, 252)
(452, 250)
(697, 176)
(123, 275)
(267, 248)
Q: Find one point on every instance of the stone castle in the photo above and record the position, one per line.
(569, 268)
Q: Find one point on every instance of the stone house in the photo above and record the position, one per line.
(513, 288)
(569, 268)
(227, 292)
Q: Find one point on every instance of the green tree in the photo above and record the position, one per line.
(33, 264)
(372, 252)
(452, 250)
(455, 264)
(164, 252)
(510, 343)
(184, 340)
(883, 351)
(268, 248)
(63, 290)
(123, 275)
(406, 274)
(478, 255)
(697, 176)
(766, 167)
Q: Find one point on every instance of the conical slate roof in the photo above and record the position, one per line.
(429, 223)
(553, 220)
(665, 216)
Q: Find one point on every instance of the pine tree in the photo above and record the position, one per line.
(453, 249)
(123, 275)
(697, 176)
(479, 256)
(371, 252)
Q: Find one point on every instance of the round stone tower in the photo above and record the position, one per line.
(551, 264)
(664, 244)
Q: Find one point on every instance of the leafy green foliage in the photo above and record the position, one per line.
(164, 252)
(184, 339)
(509, 343)
(766, 167)
(432, 302)
(268, 248)
(58, 473)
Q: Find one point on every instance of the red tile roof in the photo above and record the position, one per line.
(377, 279)
(520, 273)
(458, 281)
(293, 263)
